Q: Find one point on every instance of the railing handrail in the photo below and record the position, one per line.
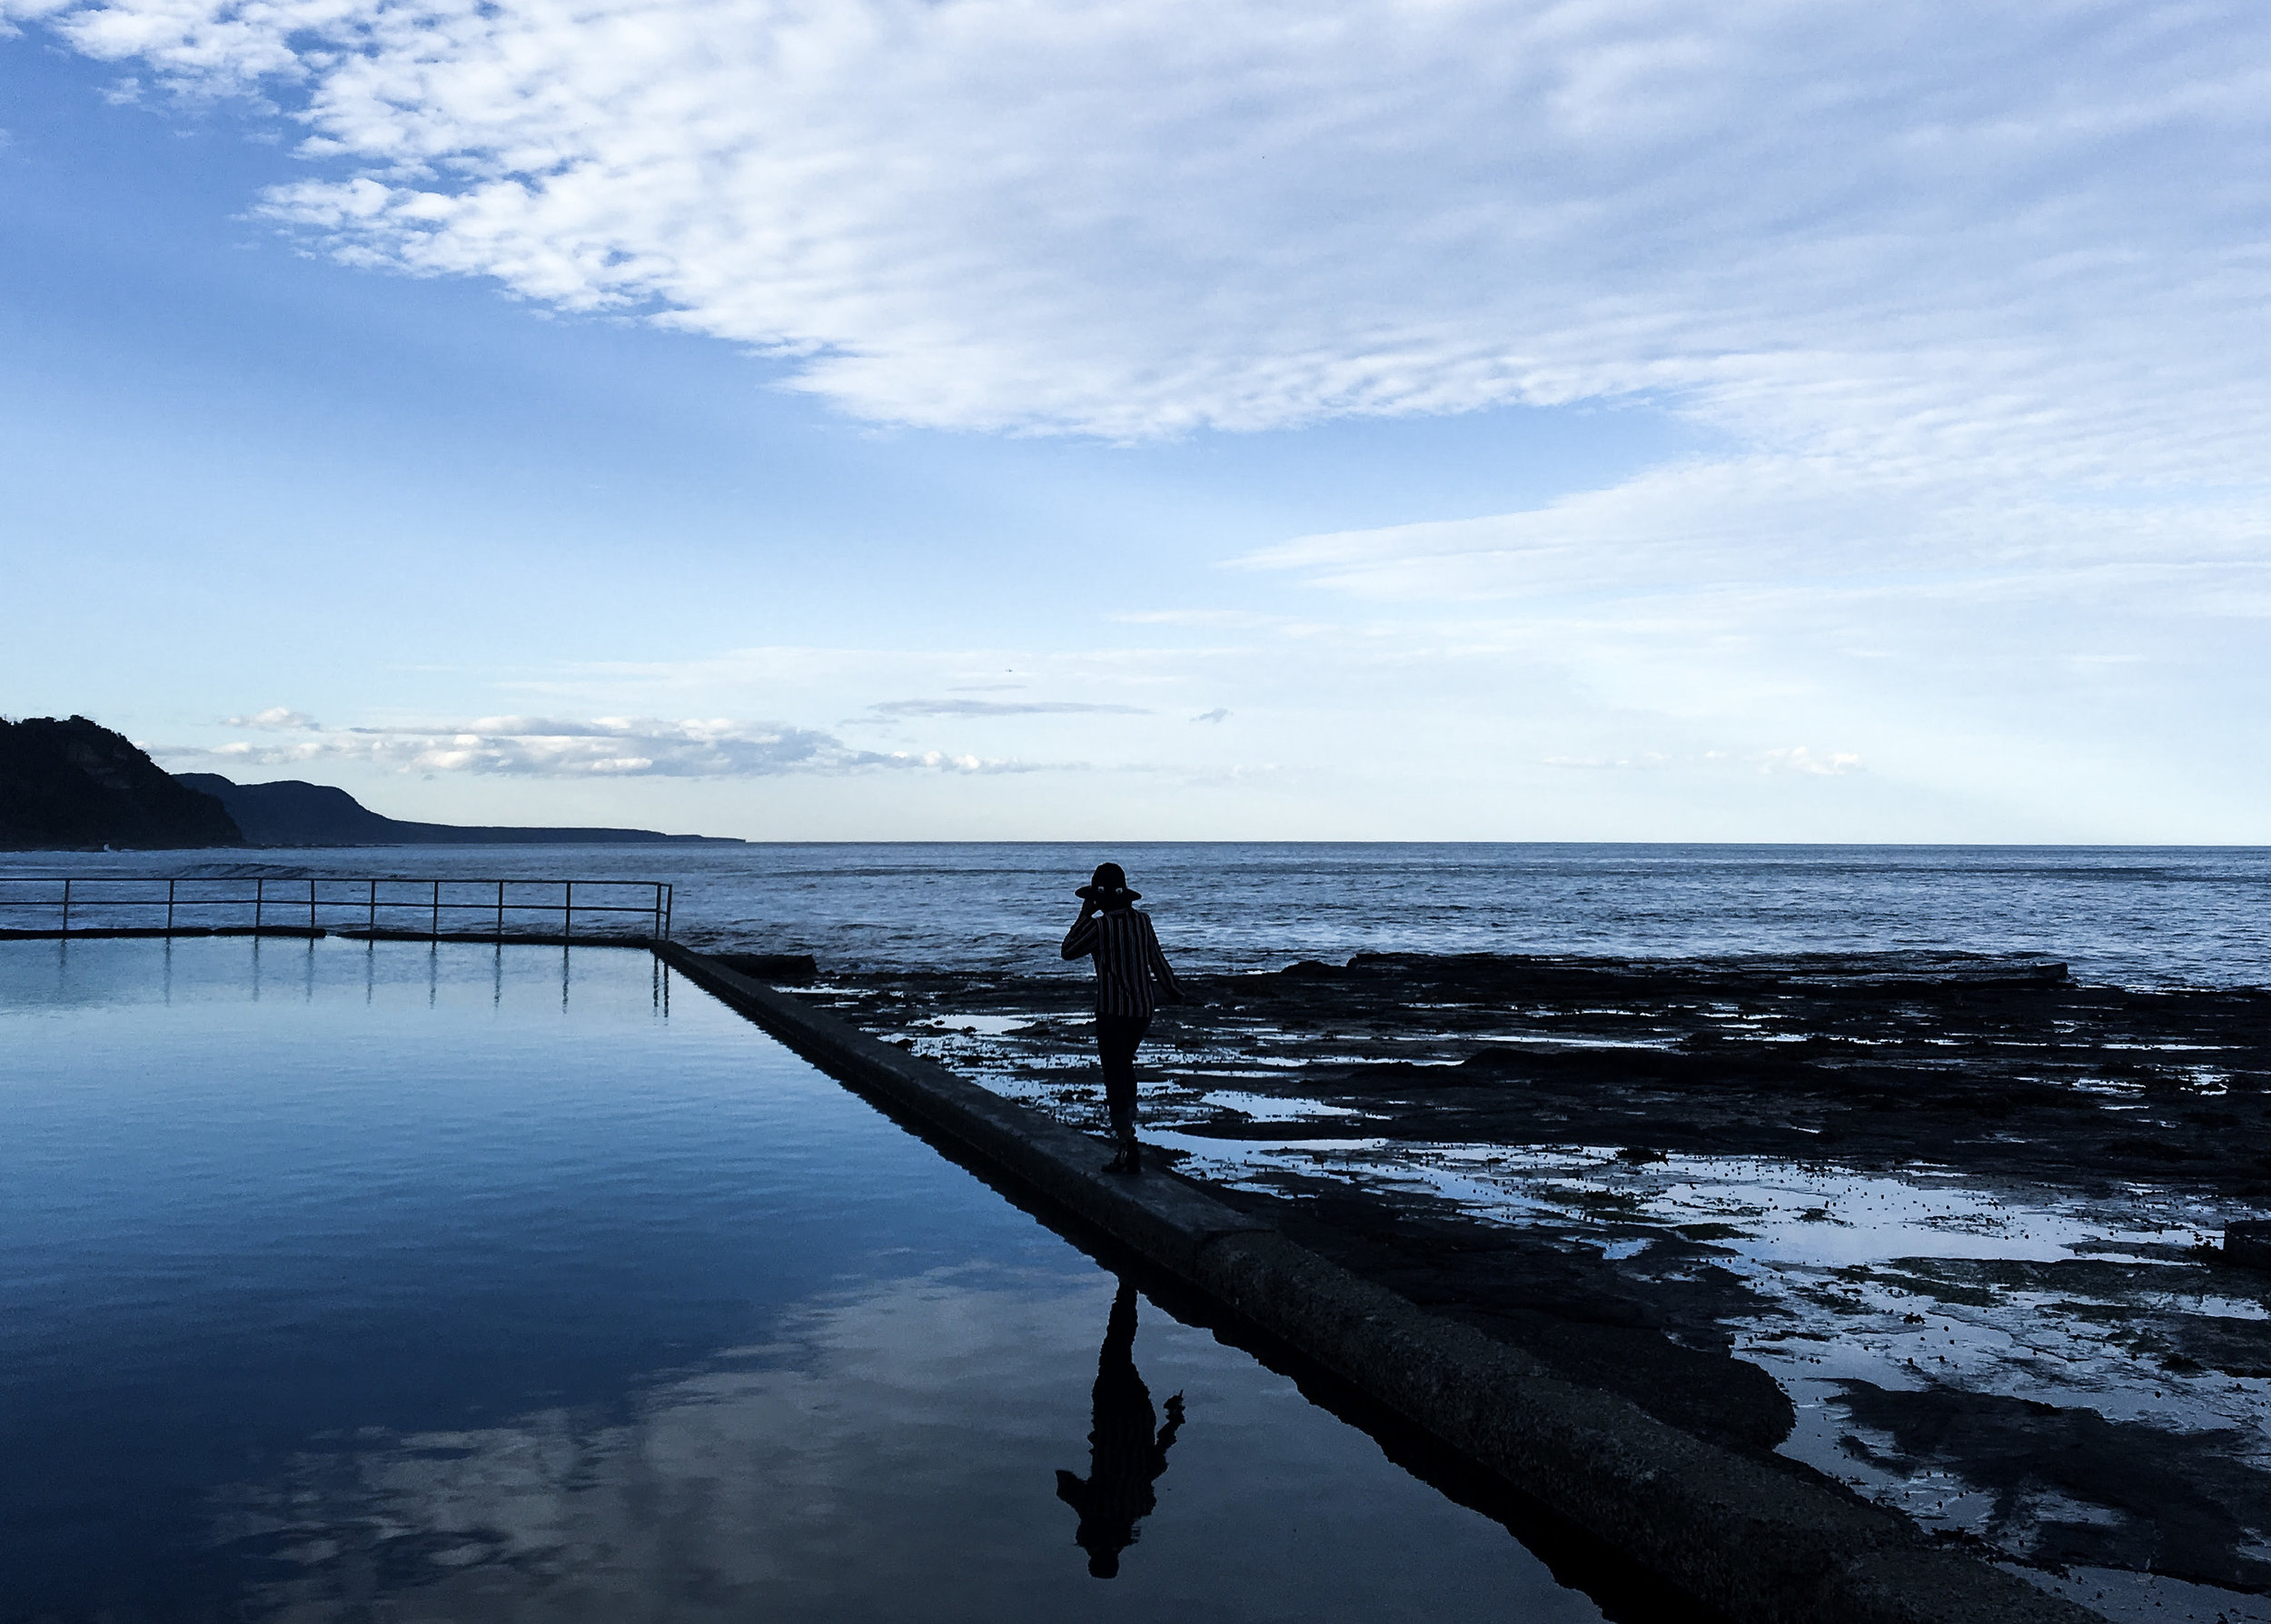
(301, 880)
(280, 891)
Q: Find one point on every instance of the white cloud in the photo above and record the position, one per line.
(1957, 716)
(1003, 708)
(1797, 758)
(1766, 520)
(1653, 759)
(1794, 759)
(745, 1482)
(2023, 240)
(607, 747)
(276, 718)
(1951, 626)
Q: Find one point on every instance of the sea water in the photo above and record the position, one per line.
(2137, 916)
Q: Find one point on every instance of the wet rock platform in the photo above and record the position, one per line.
(1947, 1227)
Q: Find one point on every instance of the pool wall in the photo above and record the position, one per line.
(1757, 1539)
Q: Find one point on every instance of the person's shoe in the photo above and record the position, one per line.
(1134, 1155)
(1119, 1164)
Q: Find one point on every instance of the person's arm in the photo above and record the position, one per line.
(1161, 971)
(1165, 1441)
(1081, 940)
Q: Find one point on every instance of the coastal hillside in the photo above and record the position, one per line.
(76, 784)
(291, 812)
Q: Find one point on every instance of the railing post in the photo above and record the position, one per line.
(311, 905)
(434, 930)
(66, 907)
(501, 910)
(567, 913)
(670, 909)
(370, 919)
(259, 902)
(169, 905)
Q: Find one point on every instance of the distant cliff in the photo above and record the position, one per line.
(290, 812)
(75, 784)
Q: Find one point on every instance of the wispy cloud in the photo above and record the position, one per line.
(276, 718)
(1778, 520)
(1795, 758)
(1612, 763)
(605, 747)
(1132, 220)
(1216, 715)
(1003, 708)
(1228, 618)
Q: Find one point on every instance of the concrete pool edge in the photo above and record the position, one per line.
(1757, 1539)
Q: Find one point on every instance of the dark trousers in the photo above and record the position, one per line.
(1116, 1037)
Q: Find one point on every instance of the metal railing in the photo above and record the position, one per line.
(392, 907)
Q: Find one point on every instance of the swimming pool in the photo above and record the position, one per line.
(389, 1282)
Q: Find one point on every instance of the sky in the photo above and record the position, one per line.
(1553, 420)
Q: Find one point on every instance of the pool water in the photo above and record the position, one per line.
(396, 1282)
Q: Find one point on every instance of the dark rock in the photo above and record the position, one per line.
(777, 970)
(2180, 1503)
(2249, 1243)
(76, 784)
(1817, 974)
(2220, 1342)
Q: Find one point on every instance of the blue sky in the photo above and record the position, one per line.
(1461, 420)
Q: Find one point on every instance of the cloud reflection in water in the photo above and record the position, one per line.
(891, 1454)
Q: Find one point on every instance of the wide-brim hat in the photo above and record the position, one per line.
(1108, 884)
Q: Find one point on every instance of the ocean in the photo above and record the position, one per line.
(2134, 915)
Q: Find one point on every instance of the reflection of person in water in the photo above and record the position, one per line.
(1124, 1458)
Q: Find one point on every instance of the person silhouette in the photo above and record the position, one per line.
(1125, 1459)
(1132, 976)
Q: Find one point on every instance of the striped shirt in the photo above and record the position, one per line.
(1128, 960)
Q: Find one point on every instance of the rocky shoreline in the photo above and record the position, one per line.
(1941, 1224)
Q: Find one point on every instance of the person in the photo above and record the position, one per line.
(1132, 974)
(1125, 1455)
